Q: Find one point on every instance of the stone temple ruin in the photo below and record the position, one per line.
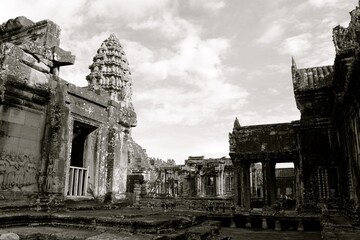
(56, 139)
(324, 145)
(69, 148)
(67, 159)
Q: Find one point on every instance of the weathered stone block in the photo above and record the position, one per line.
(33, 119)
(62, 57)
(12, 115)
(30, 133)
(15, 24)
(10, 144)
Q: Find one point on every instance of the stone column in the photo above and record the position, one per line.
(120, 163)
(298, 184)
(300, 226)
(220, 184)
(277, 225)
(244, 182)
(202, 194)
(269, 182)
(254, 182)
(264, 223)
(237, 183)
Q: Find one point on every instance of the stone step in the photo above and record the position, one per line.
(206, 230)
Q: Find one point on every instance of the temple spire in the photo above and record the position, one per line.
(110, 70)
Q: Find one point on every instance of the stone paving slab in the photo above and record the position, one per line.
(74, 234)
(246, 234)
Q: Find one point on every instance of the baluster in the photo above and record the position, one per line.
(86, 180)
(71, 181)
(76, 173)
(81, 178)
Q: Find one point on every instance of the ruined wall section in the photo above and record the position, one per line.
(31, 110)
(314, 95)
(24, 95)
(39, 113)
(346, 115)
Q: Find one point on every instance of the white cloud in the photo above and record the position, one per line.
(193, 88)
(274, 91)
(273, 32)
(282, 68)
(191, 59)
(128, 10)
(275, 116)
(324, 3)
(212, 5)
(296, 45)
(63, 13)
(168, 24)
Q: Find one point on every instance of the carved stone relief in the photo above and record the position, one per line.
(17, 169)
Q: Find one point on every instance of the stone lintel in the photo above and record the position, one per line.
(86, 94)
(62, 57)
(254, 157)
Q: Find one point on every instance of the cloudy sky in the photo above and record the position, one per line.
(197, 64)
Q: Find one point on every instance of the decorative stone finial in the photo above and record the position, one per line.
(237, 125)
(293, 63)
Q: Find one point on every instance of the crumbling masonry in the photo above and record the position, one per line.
(59, 141)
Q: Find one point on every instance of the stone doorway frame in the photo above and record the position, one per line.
(92, 124)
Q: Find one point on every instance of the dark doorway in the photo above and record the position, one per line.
(80, 133)
(210, 186)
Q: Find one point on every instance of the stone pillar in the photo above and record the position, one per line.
(237, 182)
(264, 224)
(232, 223)
(221, 182)
(245, 186)
(298, 184)
(300, 226)
(248, 222)
(202, 190)
(120, 165)
(277, 225)
(269, 183)
(253, 182)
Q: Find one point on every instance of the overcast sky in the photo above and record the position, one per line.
(197, 64)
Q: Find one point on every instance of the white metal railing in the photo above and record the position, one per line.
(78, 181)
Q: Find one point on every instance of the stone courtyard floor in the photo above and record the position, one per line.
(246, 234)
(78, 234)
(149, 224)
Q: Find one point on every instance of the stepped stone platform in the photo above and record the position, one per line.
(125, 223)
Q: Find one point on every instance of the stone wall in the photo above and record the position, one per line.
(41, 115)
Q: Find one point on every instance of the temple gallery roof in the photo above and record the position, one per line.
(311, 78)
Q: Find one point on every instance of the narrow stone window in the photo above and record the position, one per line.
(323, 183)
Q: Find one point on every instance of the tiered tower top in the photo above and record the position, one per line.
(110, 70)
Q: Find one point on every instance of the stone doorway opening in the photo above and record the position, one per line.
(285, 184)
(256, 185)
(210, 186)
(78, 172)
